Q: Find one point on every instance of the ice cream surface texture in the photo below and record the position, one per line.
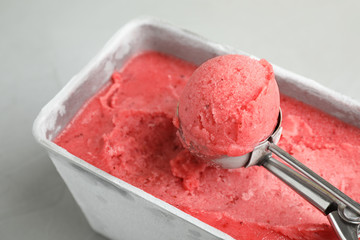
(126, 130)
(230, 104)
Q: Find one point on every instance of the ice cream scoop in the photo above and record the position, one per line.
(200, 125)
(230, 104)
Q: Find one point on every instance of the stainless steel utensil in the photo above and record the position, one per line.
(342, 211)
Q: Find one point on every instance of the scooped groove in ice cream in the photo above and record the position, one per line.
(229, 105)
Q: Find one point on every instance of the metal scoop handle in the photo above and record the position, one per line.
(314, 177)
(341, 210)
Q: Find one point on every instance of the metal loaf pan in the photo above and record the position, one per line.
(113, 207)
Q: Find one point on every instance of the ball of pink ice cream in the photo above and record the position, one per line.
(230, 104)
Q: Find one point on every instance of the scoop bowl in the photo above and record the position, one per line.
(249, 159)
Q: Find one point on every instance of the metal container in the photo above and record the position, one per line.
(113, 207)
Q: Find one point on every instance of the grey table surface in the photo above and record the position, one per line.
(45, 42)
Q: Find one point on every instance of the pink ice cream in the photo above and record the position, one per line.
(126, 130)
(230, 104)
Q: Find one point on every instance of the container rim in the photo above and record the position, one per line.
(39, 126)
